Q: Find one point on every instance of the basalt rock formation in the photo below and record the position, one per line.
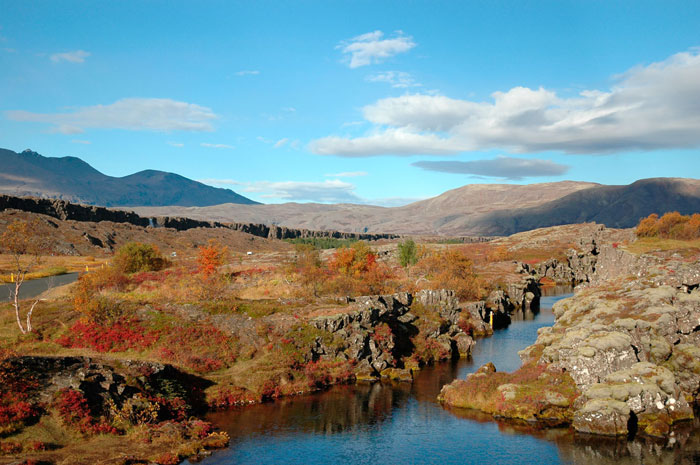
(65, 210)
(625, 347)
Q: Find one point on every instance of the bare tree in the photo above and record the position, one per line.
(24, 244)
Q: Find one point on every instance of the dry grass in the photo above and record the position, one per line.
(654, 244)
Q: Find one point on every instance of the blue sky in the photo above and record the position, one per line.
(356, 101)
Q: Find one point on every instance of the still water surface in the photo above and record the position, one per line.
(403, 423)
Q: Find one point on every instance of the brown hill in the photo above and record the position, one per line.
(450, 213)
(475, 210)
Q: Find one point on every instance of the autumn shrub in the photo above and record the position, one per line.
(10, 447)
(121, 335)
(135, 256)
(354, 270)
(167, 458)
(90, 294)
(671, 225)
(210, 257)
(16, 408)
(200, 348)
(74, 410)
(451, 269)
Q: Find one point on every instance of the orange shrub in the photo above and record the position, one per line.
(451, 269)
(671, 225)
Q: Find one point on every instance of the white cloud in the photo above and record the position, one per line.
(289, 109)
(136, 114)
(80, 141)
(398, 79)
(346, 174)
(220, 182)
(176, 144)
(76, 56)
(334, 191)
(216, 146)
(247, 72)
(371, 48)
(394, 141)
(499, 167)
(280, 143)
(649, 107)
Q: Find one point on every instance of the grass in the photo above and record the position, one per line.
(654, 244)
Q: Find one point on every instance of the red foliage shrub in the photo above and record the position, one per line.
(323, 373)
(231, 396)
(122, 335)
(10, 447)
(74, 410)
(167, 458)
(202, 348)
(382, 333)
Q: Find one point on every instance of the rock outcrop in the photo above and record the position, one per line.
(628, 342)
(65, 210)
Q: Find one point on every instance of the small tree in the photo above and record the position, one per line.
(408, 254)
(307, 263)
(210, 258)
(25, 246)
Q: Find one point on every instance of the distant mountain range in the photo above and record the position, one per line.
(72, 179)
(476, 209)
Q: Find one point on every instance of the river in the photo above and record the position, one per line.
(35, 287)
(404, 424)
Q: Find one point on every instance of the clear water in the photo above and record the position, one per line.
(403, 423)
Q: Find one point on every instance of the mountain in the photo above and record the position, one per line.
(475, 209)
(70, 178)
(613, 206)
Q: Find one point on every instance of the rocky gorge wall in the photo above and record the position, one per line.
(64, 210)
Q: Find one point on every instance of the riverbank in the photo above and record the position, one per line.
(621, 358)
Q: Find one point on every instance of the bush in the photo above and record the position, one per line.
(671, 225)
(407, 253)
(451, 269)
(89, 299)
(135, 257)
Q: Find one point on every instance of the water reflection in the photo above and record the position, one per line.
(393, 423)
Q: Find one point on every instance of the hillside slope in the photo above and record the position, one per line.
(70, 178)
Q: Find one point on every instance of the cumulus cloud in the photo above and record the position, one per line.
(334, 191)
(499, 167)
(398, 79)
(136, 114)
(394, 141)
(372, 47)
(76, 56)
(648, 107)
(216, 146)
(347, 174)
